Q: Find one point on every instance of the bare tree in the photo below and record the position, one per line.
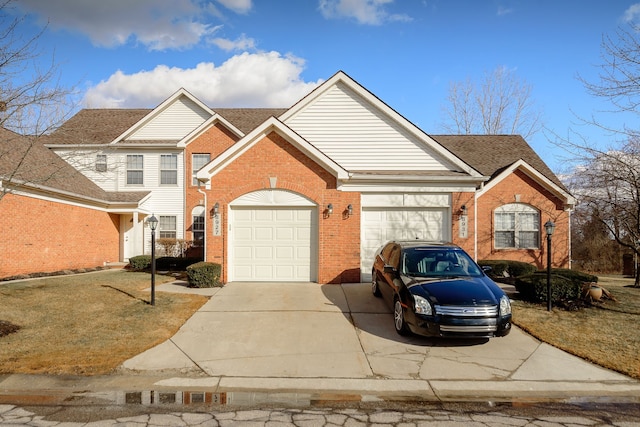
(32, 101)
(499, 103)
(607, 184)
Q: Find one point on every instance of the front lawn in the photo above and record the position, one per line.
(86, 324)
(606, 334)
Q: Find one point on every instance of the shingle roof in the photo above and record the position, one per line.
(25, 160)
(491, 154)
(247, 119)
(96, 126)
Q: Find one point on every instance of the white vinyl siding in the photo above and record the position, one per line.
(357, 136)
(174, 123)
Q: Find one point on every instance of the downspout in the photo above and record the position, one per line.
(475, 222)
(204, 230)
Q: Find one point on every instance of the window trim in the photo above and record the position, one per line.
(162, 168)
(140, 170)
(101, 163)
(517, 209)
(163, 229)
(194, 181)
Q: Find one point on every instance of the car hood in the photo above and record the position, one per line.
(458, 291)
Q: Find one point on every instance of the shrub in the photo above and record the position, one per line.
(501, 269)
(175, 263)
(140, 262)
(575, 275)
(204, 275)
(533, 287)
(173, 247)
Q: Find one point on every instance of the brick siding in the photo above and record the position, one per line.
(45, 236)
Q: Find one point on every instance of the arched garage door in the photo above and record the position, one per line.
(274, 237)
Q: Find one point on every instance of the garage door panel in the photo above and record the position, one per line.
(283, 242)
(382, 224)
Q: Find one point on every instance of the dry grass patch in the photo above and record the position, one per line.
(86, 324)
(606, 334)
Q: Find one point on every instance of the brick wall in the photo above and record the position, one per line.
(43, 236)
(339, 235)
(518, 187)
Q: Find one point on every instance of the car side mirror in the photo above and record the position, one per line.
(486, 268)
(389, 268)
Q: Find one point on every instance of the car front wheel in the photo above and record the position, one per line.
(398, 318)
(375, 289)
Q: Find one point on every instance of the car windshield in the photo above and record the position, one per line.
(438, 262)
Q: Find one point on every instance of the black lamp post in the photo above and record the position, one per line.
(549, 227)
(153, 224)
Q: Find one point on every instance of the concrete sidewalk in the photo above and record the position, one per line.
(338, 341)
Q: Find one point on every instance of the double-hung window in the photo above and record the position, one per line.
(168, 169)
(167, 227)
(197, 162)
(101, 163)
(135, 169)
(517, 226)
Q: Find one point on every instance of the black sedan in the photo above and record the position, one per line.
(437, 290)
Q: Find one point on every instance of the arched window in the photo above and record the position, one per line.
(517, 226)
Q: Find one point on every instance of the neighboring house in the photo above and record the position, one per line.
(53, 218)
(308, 193)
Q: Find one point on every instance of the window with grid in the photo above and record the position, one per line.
(197, 162)
(101, 163)
(198, 229)
(517, 226)
(167, 227)
(135, 169)
(168, 169)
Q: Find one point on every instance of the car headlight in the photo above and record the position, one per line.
(422, 306)
(505, 306)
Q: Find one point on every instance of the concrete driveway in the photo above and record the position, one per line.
(304, 335)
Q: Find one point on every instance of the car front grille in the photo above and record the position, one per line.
(467, 311)
(475, 329)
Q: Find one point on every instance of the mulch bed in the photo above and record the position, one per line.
(7, 328)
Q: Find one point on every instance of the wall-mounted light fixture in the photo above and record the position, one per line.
(329, 209)
(216, 210)
(463, 211)
(349, 209)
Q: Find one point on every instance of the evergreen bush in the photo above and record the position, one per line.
(204, 275)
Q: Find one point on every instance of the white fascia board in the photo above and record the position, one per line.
(216, 118)
(158, 110)
(342, 77)
(419, 184)
(270, 125)
(525, 167)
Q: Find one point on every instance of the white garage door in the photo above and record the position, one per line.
(382, 224)
(274, 244)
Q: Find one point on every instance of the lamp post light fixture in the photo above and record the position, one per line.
(153, 224)
(549, 227)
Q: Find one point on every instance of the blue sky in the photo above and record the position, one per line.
(260, 53)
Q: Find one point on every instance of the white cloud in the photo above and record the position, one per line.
(266, 79)
(241, 43)
(239, 6)
(158, 24)
(369, 12)
(632, 13)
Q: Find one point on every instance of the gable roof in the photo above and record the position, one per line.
(492, 154)
(95, 126)
(272, 124)
(26, 163)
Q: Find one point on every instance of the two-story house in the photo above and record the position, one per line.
(309, 192)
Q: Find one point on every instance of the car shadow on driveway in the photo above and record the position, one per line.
(373, 316)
